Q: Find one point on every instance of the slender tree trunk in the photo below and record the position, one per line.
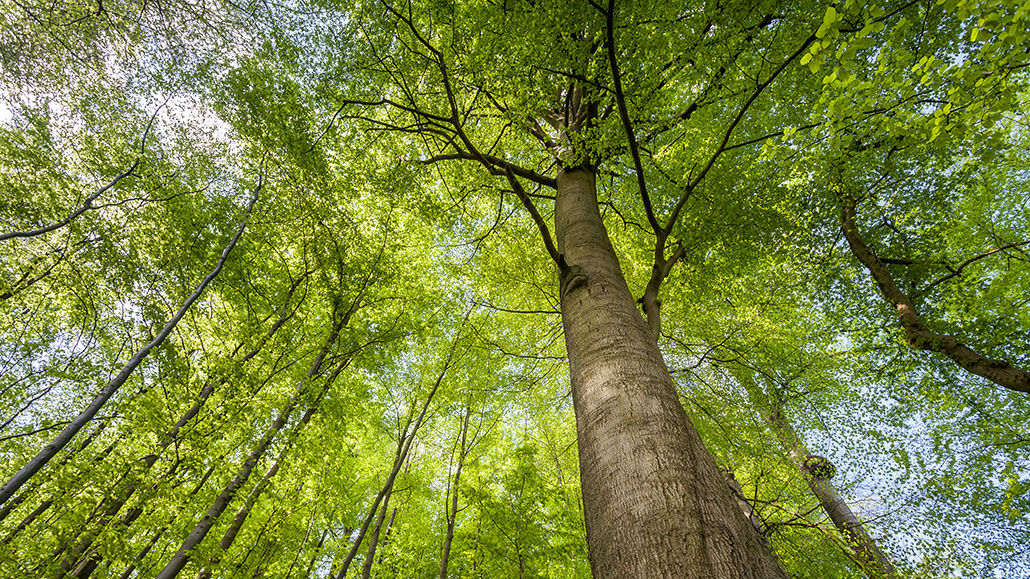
(46, 504)
(655, 502)
(386, 533)
(66, 435)
(182, 556)
(120, 496)
(817, 472)
(307, 533)
(452, 506)
(134, 513)
(143, 553)
(229, 537)
(745, 506)
(373, 541)
(404, 445)
(314, 555)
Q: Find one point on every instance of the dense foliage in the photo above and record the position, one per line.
(376, 379)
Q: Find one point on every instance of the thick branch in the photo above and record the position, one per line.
(620, 99)
(496, 166)
(916, 332)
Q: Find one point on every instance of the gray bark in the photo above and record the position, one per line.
(655, 502)
(452, 506)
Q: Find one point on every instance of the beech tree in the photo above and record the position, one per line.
(663, 265)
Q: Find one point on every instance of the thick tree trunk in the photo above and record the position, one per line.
(656, 504)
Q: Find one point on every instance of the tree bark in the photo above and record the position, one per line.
(229, 537)
(655, 502)
(917, 334)
(119, 496)
(315, 553)
(817, 472)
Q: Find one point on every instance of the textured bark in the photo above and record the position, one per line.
(655, 502)
(919, 336)
(745, 506)
(862, 548)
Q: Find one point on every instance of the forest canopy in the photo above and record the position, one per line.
(514, 288)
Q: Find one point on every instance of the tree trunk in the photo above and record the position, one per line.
(817, 472)
(403, 446)
(656, 504)
(452, 506)
(386, 533)
(133, 514)
(315, 553)
(248, 505)
(119, 496)
(221, 502)
(46, 504)
(373, 541)
(61, 440)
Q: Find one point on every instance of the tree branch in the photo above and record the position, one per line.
(917, 334)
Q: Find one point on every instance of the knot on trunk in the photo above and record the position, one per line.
(819, 467)
(572, 278)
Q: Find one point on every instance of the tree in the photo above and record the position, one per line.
(671, 182)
